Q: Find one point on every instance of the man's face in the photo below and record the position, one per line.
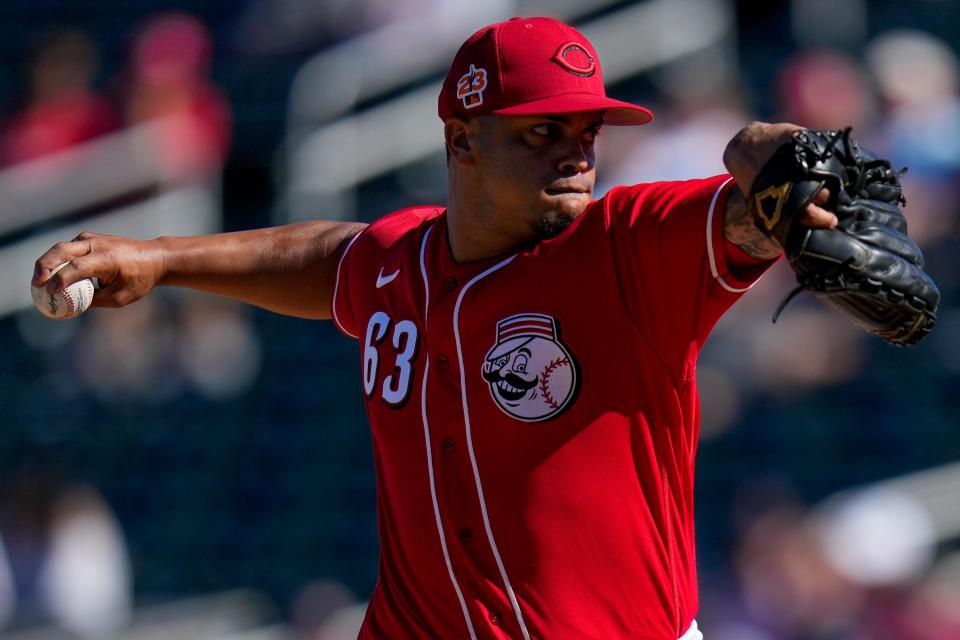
(537, 171)
(512, 374)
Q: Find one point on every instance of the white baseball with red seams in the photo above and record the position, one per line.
(67, 303)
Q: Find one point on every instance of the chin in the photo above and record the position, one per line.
(571, 204)
(553, 224)
(557, 212)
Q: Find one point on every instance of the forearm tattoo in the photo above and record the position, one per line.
(739, 228)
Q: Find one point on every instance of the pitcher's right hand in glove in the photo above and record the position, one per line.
(867, 267)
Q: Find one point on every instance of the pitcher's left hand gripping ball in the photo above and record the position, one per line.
(867, 267)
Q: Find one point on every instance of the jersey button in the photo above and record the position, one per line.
(495, 618)
(443, 362)
(448, 445)
(465, 534)
(450, 283)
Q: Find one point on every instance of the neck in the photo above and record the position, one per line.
(471, 232)
(471, 240)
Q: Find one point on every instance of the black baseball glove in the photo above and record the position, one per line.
(867, 267)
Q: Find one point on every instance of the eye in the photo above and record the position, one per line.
(544, 129)
(590, 135)
(520, 364)
(500, 362)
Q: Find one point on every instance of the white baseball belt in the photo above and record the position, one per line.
(692, 633)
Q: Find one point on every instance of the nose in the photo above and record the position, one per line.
(575, 159)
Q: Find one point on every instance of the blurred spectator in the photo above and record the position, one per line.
(25, 512)
(326, 610)
(62, 107)
(67, 556)
(858, 568)
(928, 610)
(688, 141)
(218, 349)
(273, 27)
(789, 587)
(115, 360)
(749, 357)
(933, 608)
(204, 341)
(168, 80)
(879, 537)
(825, 89)
(919, 78)
(87, 583)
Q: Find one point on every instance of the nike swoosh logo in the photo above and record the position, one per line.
(384, 280)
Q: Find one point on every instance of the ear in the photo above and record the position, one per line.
(458, 133)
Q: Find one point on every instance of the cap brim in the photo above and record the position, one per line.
(615, 112)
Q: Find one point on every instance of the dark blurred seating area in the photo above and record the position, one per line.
(194, 446)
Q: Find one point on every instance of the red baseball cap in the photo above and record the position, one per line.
(530, 66)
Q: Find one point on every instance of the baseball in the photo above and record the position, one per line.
(66, 303)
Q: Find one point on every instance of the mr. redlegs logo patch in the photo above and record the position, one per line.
(575, 58)
(532, 375)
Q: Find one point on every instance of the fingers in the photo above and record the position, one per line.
(113, 291)
(118, 263)
(86, 256)
(58, 254)
(93, 265)
(816, 216)
(87, 235)
(62, 252)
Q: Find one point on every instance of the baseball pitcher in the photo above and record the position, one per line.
(528, 352)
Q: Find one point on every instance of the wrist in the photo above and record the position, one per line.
(162, 258)
(749, 150)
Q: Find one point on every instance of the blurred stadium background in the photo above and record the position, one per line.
(187, 468)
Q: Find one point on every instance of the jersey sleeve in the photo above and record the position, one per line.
(678, 272)
(389, 245)
(341, 307)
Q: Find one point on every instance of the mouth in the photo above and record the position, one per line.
(566, 191)
(568, 188)
(509, 392)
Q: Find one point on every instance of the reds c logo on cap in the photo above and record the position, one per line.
(575, 58)
(531, 374)
(471, 86)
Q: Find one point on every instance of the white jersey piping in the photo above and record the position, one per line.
(426, 437)
(423, 272)
(473, 458)
(710, 251)
(693, 633)
(336, 285)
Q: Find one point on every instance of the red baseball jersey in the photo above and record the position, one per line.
(535, 416)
